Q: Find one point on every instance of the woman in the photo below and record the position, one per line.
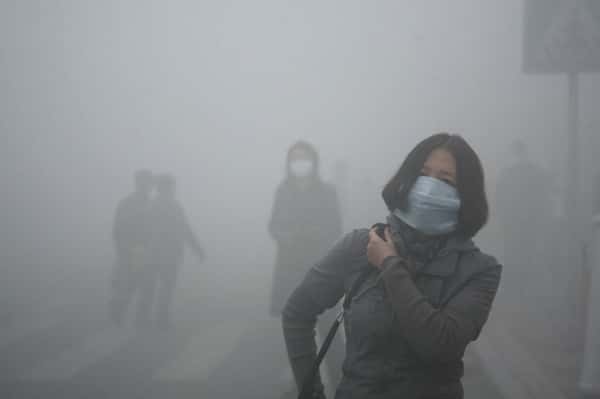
(430, 293)
(304, 223)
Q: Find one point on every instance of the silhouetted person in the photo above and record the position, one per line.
(305, 221)
(130, 236)
(524, 204)
(589, 379)
(170, 232)
(596, 199)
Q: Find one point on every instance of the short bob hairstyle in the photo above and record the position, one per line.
(473, 213)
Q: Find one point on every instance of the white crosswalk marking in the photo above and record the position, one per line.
(92, 349)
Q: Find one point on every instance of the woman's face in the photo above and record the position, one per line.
(299, 155)
(441, 165)
(301, 164)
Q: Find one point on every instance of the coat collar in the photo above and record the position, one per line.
(446, 261)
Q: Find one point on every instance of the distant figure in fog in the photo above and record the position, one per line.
(524, 205)
(305, 221)
(428, 289)
(131, 240)
(596, 199)
(170, 232)
(589, 380)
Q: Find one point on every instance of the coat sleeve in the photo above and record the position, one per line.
(321, 289)
(440, 335)
(188, 233)
(192, 240)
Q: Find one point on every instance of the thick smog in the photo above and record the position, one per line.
(200, 198)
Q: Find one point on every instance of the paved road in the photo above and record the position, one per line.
(73, 352)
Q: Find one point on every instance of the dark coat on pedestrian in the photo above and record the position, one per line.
(170, 232)
(305, 222)
(131, 227)
(407, 329)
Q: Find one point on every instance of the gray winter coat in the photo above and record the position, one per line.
(406, 331)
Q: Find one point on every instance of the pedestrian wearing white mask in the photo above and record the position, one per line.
(305, 222)
(420, 290)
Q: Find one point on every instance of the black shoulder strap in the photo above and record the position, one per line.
(356, 285)
(308, 385)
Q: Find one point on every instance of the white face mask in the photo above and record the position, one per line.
(301, 168)
(433, 207)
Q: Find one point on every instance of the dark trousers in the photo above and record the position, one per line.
(157, 289)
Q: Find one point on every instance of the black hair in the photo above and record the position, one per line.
(474, 210)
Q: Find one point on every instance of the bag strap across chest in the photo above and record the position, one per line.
(308, 385)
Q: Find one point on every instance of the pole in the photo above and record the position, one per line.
(573, 147)
(572, 201)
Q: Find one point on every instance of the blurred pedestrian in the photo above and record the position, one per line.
(524, 208)
(170, 233)
(131, 240)
(305, 221)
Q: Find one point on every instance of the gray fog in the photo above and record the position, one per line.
(215, 93)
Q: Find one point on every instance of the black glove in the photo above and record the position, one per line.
(380, 230)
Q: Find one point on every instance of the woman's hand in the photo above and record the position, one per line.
(378, 249)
